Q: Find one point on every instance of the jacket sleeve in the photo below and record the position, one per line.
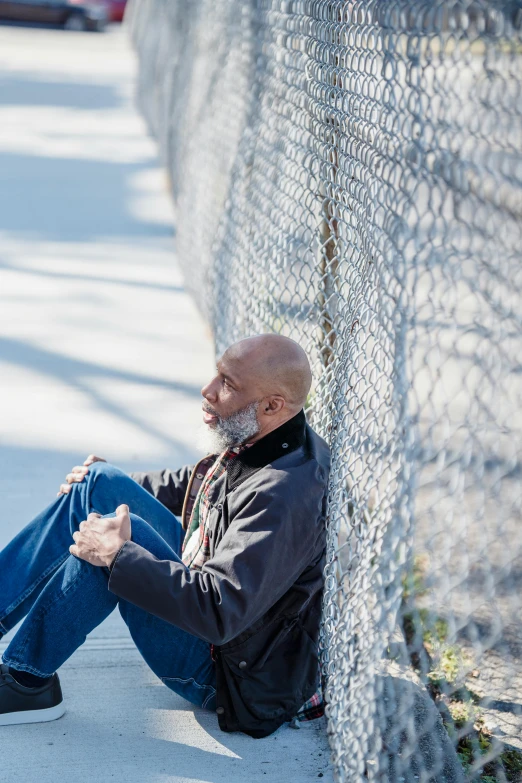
(267, 546)
(167, 486)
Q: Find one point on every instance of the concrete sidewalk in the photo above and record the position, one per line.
(101, 350)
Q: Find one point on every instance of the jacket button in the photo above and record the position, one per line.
(284, 445)
(219, 506)
(199, 475)
(243, 665)
(220, 710)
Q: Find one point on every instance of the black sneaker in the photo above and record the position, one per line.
(19, 704)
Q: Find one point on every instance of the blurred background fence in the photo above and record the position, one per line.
(349, 174)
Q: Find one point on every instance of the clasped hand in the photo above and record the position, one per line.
(78, 473)
(99, 539)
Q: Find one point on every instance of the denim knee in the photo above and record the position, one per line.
(98, 469)
(104, 477)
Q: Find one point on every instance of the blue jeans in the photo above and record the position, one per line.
(63, 598)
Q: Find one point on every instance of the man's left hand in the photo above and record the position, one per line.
(99, 539)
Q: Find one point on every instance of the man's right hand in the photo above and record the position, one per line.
(78, 474)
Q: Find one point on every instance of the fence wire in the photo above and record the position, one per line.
(349, 174)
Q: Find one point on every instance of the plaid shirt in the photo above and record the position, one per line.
(196, 546)
(196, 551)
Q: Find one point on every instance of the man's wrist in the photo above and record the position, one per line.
(113, 558)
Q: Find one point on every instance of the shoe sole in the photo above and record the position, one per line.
(32, 716)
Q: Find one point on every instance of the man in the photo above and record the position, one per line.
(224, 606)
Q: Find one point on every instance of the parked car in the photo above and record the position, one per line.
(72, 14)
(115, 9)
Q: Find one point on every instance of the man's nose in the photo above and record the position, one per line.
(208, 391)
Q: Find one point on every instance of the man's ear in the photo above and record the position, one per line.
(273, 404)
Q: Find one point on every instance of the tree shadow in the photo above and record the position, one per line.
(77, 372)
(148, 285)
(19, 90)
(70, 199)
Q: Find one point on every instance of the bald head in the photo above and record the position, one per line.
(275, 365)
(261, 383)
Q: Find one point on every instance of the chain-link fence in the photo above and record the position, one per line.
(349, 174)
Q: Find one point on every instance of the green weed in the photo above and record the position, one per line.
(444, 667)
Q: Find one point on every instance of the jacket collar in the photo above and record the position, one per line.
(286, 438)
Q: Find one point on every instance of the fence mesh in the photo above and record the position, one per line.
(349, 174)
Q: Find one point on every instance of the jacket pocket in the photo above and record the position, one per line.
(274, 671)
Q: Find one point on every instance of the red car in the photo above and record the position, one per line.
(115, 9)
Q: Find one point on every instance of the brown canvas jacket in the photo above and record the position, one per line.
(258, 598)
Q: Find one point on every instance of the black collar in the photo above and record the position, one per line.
(286, 438)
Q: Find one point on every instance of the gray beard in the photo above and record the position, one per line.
(229, 432)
